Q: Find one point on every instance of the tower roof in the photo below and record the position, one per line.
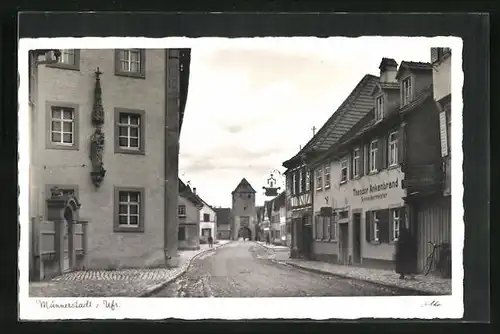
(244, 187)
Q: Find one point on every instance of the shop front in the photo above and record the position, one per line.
(368, 214)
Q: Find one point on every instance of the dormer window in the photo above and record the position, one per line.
(379, 108)
(406, 91)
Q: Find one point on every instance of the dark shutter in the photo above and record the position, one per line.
(434, 55)
(382, 150)
(402, 217)
(380, 155)
(383, 226)
(391, 224)
(401, 144)
(368, 227)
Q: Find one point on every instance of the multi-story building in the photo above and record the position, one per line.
(299, 199)
(188, 211)
(208, 220)
(223, 221)
(379, 171)
(101, 158)
(243, 213)
(278, 219)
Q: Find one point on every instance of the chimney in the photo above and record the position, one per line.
(388, 70)
(194, 191)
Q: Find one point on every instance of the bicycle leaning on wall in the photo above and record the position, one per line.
(439, 259)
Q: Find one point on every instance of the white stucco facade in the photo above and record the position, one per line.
(208, 222)
(378, 191)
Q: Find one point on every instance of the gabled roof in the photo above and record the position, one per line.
(368, 123)
(413, 66)
(186, 192)
(223, 215)
(244, 187)
(355, 107)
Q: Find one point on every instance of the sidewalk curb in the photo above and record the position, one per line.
(273, 249)
(151, 290)
(387, 285)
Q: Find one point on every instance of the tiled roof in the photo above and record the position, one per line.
(354, 108)
(412, 65)
(186, 192)
(244, 186)
(368, 123)
(390, 85)
(223, 215)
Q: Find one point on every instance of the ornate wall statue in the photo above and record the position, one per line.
(97, 139)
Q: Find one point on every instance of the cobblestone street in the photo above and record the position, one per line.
(244, 269)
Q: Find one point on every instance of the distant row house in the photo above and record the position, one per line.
(386, 171)
(274, 220)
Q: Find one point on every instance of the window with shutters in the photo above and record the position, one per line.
(294, 175)
(344, 167)
(327, 176)
(393, 149)
(319, 179)
(308, 180)
(406, 94)
(326, 228)
(356, 159)
(373, 156)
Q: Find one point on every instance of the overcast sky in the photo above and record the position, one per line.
(250, 107)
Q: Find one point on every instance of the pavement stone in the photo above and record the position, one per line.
(116, 283)
(425, 284)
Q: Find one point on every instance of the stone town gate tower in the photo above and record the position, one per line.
(243, 213)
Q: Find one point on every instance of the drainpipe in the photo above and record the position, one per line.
(171, 164)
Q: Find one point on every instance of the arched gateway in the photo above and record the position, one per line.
(245, 233)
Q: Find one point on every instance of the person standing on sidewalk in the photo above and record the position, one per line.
(210, 242)
(268, 240)
(406, 254)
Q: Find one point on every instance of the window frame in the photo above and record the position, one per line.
(327, 182)
(49, 107)
(294, 183)
(205, 219)
(375, 227)
(333, 228)
(393, 150)
(142, 63)
(117, 228)
(373, 158)
(301, 190)
(355, 162)
(142, 134)
(179, 214)
(406, 93)
(342, 168)
(394, 221)
(319, 179)
(308, 180)
(66, 66)
(379, 107)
